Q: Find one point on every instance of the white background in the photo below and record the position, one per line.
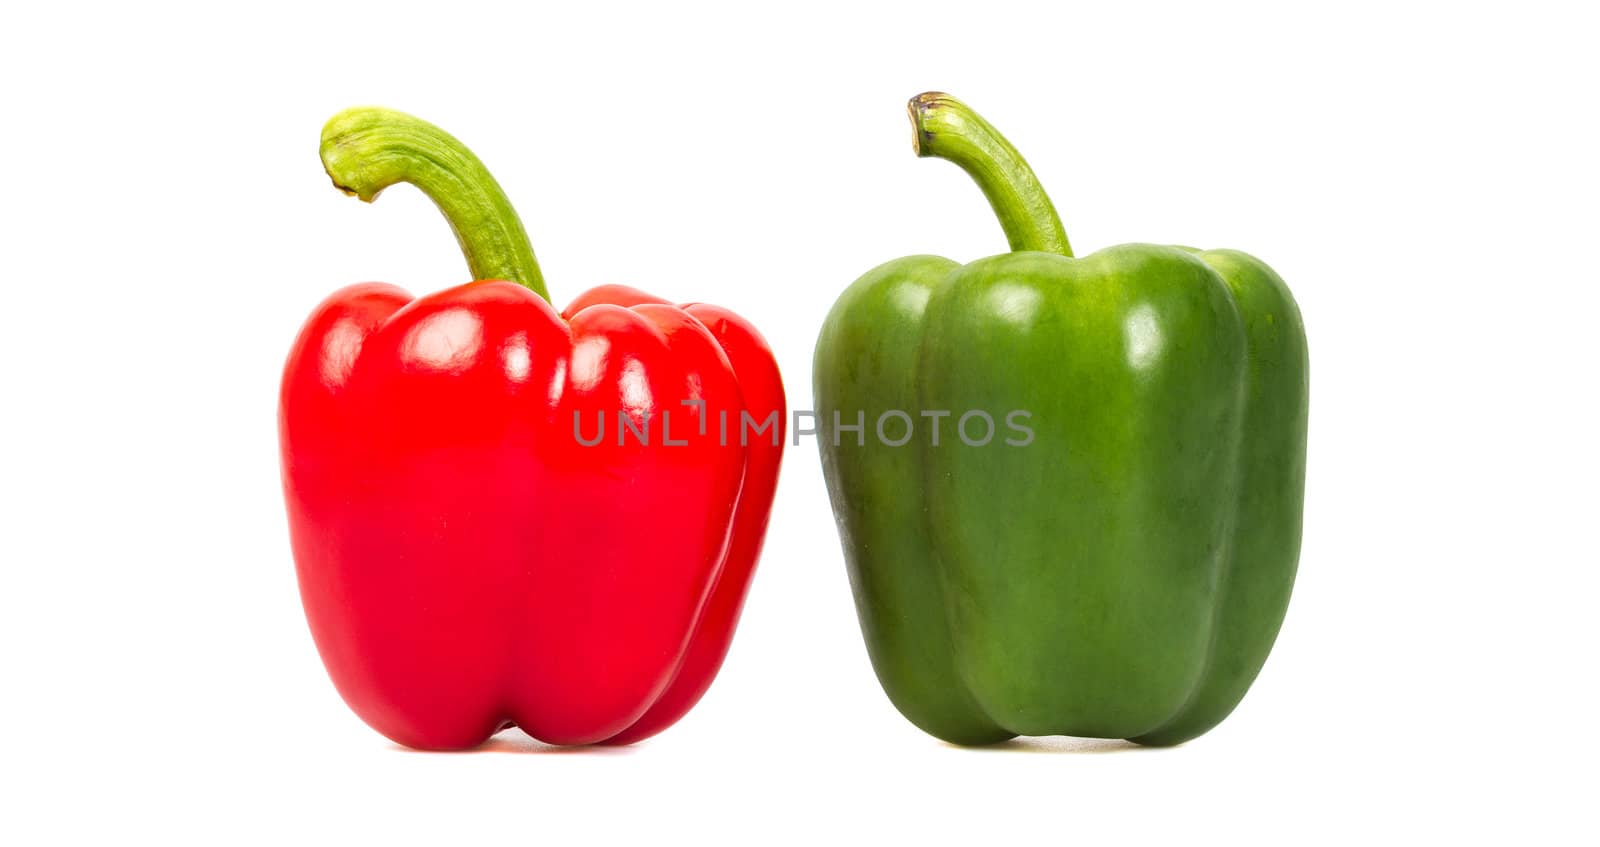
(1424, 177)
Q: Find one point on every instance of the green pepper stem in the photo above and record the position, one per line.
(947, 128)
(367, 149)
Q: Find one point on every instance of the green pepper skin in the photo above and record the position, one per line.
(1123, 574)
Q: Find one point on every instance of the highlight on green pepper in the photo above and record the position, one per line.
(1125, 573)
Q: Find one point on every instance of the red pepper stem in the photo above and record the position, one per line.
(947, 128)
(367, 149)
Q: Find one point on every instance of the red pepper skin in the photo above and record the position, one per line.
(466, 563)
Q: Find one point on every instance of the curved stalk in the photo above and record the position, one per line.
(947, 128)
(368, 149)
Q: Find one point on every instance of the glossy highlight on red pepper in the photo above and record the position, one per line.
(466, 560)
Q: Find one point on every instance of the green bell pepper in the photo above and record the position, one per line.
(1117, 565)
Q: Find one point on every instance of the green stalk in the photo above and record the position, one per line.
(947, 128)
(367, 149)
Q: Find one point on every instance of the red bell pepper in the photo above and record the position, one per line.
(467, 560)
